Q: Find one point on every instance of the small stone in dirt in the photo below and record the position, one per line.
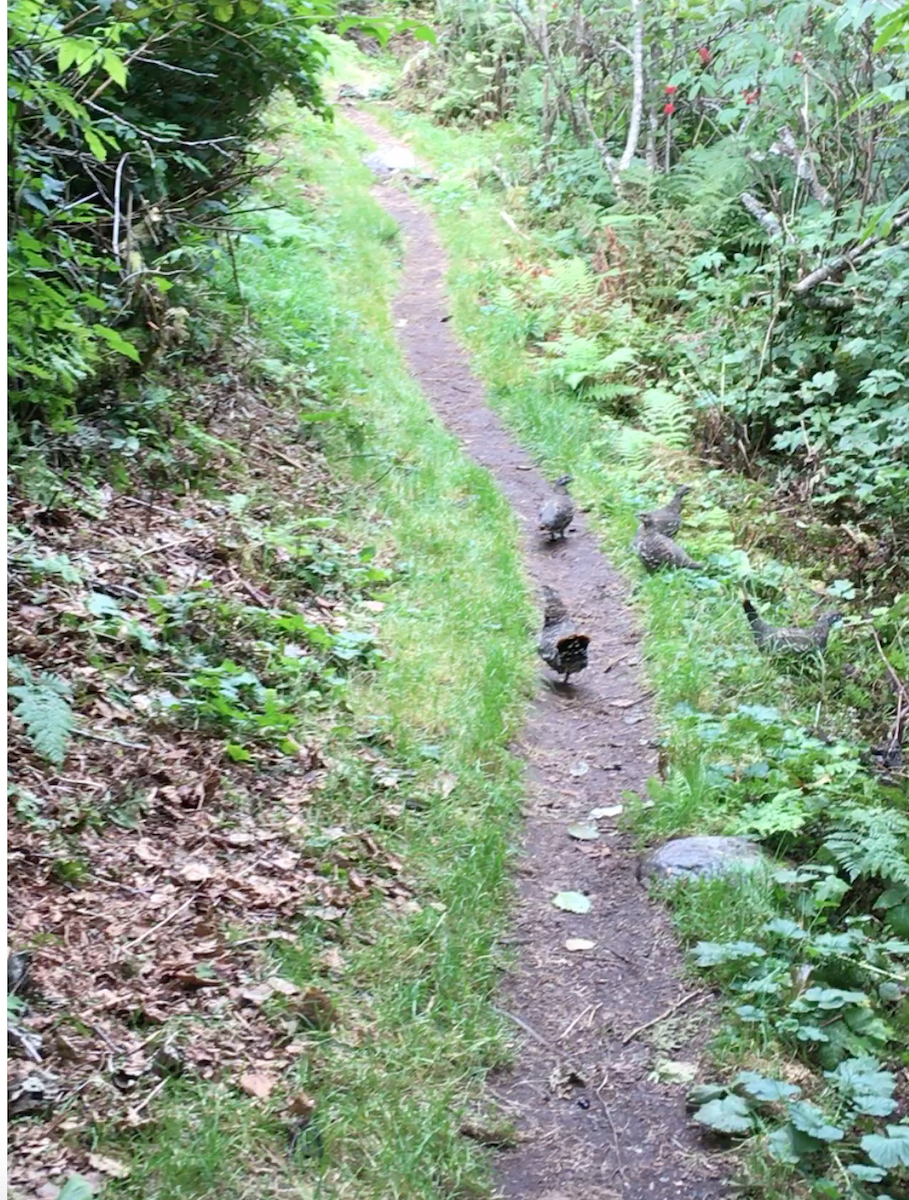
(390, 158)
(610, 810)
(701, 856)
(583, 833)
(575, 944)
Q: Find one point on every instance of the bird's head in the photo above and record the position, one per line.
(646, 520)
(563, 481)
(682, 490)
(830, 618)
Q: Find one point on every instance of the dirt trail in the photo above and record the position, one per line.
(593, 1124)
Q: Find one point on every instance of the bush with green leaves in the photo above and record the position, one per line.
(771, 141)
(128, 134)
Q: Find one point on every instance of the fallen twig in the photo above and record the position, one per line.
(99, 737)
(527, 1028)
(160, 924)
(134, 1112)
(663, 1015)
(615, 1136)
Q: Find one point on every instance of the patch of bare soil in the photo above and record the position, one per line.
(597, 1027)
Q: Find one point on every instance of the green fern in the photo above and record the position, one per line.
(572, 280)
(666, 416)
(634, 447)
(44, 709)
(869, 842)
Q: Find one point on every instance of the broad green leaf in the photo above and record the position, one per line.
(76, 1188)
(94, 144)
(780, 1146)
(117, 342)
(810, 1119)
(762, 1088)
(115, 68)
(730, 1115)
(67, 53)
(710, 954)
(890, 1150)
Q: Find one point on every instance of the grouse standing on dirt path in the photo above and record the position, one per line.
(668, 519)
(560, 645)
(557, 512)
(790, 639)
(656, 550)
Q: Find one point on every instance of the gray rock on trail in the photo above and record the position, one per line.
(387, 159)
(701, 856)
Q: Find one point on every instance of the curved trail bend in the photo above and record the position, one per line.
(592, 1123)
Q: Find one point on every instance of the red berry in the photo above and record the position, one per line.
(705, 55)
(669, 109)
(671, 89)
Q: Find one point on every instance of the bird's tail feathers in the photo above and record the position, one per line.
(572, 642)
(750, 611)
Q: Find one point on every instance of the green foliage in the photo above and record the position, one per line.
(119, 152)
(797, 1131)
(814, 382)
(44, 709)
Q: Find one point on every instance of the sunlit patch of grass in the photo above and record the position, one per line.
(415, 1031)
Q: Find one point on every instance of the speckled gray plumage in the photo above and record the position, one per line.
(557, 512)
(668, 519)
(790, 639)
(656, 550)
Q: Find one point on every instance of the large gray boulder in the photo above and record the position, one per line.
(701, 856)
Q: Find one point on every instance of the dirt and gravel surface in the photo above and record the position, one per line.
(600, 1029)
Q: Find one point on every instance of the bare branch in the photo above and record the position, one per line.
(847, 261)
(763, 215)
(804, 167)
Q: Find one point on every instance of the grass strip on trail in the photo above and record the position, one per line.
(809, 952)
(376, 754)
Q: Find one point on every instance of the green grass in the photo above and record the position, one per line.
(416, 1032)
(737, 729)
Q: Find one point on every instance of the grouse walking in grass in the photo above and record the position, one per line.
(656, 550)
(560, 645)
(790, 639)
(557, 512)
(668, 519)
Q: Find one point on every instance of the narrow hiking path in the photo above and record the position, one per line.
(593, 1117)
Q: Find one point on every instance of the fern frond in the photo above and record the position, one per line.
(570, 280)
(635, 448)
(870, 842)
(44, 709)
(667, 417)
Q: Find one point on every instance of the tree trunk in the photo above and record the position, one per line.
(637, 99)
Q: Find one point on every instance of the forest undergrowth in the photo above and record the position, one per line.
(261, 799)
(810, 953)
